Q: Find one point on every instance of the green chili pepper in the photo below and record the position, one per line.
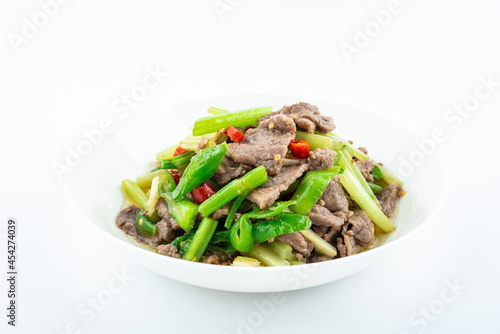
(183, 210)
(167, 164)
(202, 167)
(241, 234)
(145, 225)
(311, 188)
(286, 223)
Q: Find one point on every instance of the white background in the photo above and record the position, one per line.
(65, 78)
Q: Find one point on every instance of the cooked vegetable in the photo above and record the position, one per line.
(182, 210)
(388, 177)
(249, 181)
(240, 118)
(202, 193)
(154, 196)
(145, 225)
(201, 239)
(375, 188)
(320, 245)
(166, 154)
(377, 173)
(220, 243)
(347, 163)
(283, 250)
(285, 223)
(234, 208)
(144, 181)
(179, 150)
(167, 164)
(359, 195)
(241, 261)
(135, 193)
(267, 256)
(183, 159)
(235, 134)
(311, 188)
(315, 141)
(216, 111)
(300, 149)
(202, 167)
(241, 234)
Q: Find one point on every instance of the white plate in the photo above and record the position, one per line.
(129, 151)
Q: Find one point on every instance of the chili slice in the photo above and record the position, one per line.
(235, 134)
(202, 193)
(300, 149)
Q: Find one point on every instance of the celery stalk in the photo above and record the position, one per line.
(359, 195)
(320, 245)
(144, 181)
(346, 162)
(216, 111)
(239, 118)
(249, 181)
(267, 256)
(388, 177)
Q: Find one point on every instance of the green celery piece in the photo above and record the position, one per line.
(359, 195)
(249, 181)
(201, 239)
(239, 118)
(346, 162)
(267, 256)
(320, 245)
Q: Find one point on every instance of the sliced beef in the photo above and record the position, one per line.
(268, 193)
(162, 210)
(127, 217)
(229, 170)
(321, 158)
(362, 149)
(265, 145)
(334, 196)
(221, 212)
(357, 234)
(169, 250)
(388, 198)
(203, 142)
(300, 245)
(315, 258)
(326, 224)
(365, 167)
(306, 116)
(217, 258)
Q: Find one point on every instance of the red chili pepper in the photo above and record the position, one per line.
(235, 134)
(179, 150)
(177, 177)
(202, 193)
(300, 149)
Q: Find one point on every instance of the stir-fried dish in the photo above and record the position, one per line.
(257, 188)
